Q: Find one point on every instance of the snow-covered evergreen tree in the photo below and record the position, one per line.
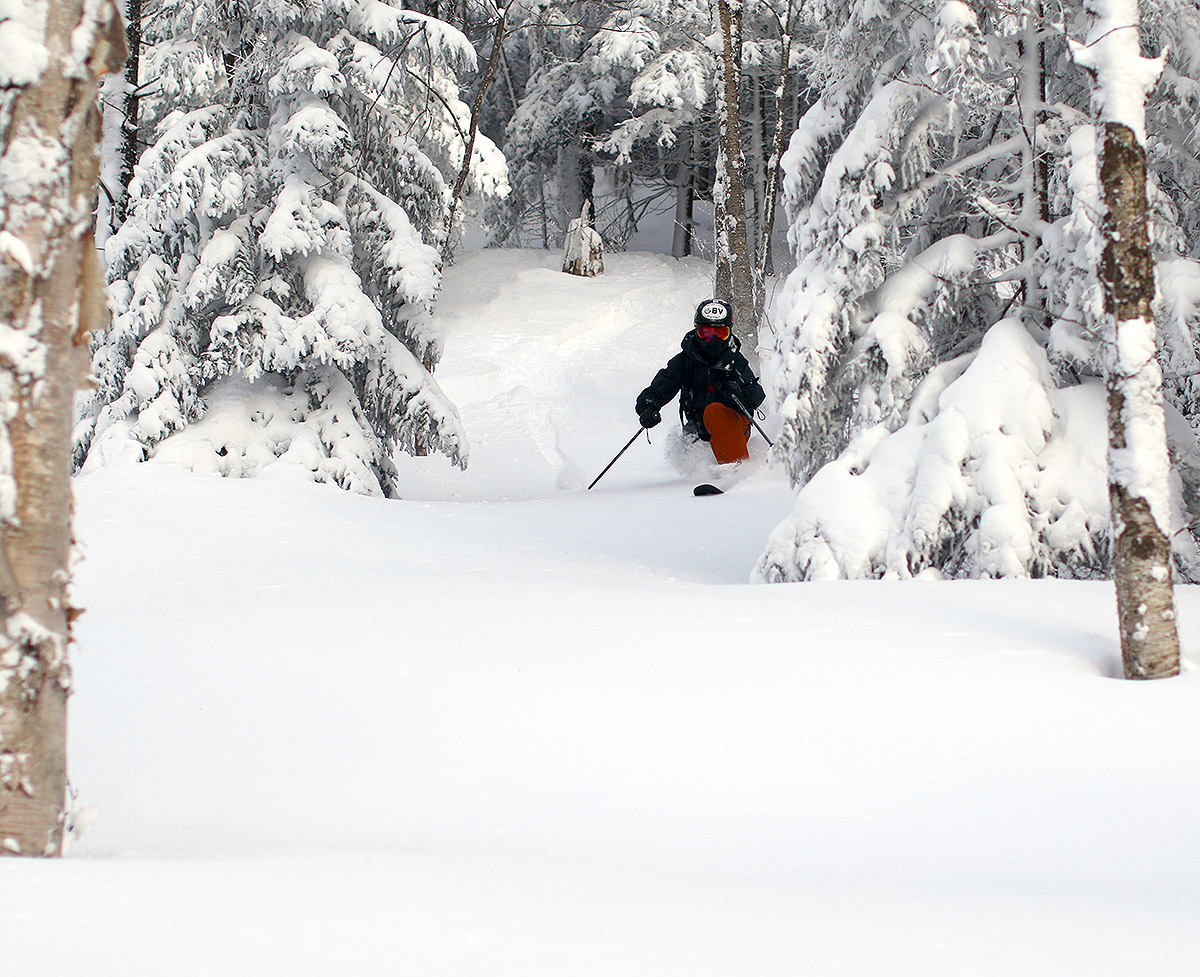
(630, 88)
(663, 47)
(901, 94)
(944, 200)
(273, 285)
(615, 103)
(665, 141)
(566, 108)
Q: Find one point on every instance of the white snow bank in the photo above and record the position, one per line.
(537, 737)
(992, 446)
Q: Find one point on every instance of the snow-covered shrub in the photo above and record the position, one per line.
(925, 220)
(285, 232)
(996, 473)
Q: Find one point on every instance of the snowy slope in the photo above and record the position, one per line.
(510, 727)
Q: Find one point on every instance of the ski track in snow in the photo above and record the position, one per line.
(510, 727)
(545, 367)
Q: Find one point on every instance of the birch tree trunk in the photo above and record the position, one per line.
(50, 296)
(1137, 452)
(735, 265)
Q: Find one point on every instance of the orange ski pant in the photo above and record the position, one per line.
(728, 431)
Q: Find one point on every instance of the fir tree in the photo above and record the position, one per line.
(665, 141)
(272, 288)
(579, 72)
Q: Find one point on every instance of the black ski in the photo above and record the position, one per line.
(707, 489)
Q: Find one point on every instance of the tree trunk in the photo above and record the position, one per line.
(587, 188)
(1137, 452)
(1138, 464)
(778, 141)
(130, 110)
(50, 296)
(1035, 204)
(735, 279)
(756, 164)
(569, 178)
(543, 210)
(685, 200)
(509, 84)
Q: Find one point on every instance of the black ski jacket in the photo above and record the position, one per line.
(700, 381)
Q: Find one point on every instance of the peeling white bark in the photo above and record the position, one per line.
(50, 297)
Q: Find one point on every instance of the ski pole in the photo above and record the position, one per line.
(750, 414)
(615, 460)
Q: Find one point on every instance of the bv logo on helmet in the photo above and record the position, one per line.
(714, 311)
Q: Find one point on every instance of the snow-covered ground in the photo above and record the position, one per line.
(508, 726)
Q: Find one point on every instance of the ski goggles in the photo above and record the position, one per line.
(712, 332)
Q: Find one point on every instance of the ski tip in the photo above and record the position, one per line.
(707, 489)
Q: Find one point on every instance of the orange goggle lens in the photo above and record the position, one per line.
(712, 332)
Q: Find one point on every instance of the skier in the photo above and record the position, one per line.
(717, 390)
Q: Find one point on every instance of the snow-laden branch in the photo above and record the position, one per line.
(982, 157)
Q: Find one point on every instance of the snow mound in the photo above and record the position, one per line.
(997, 473)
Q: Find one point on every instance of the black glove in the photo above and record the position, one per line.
(649, 417)
(731, 391)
